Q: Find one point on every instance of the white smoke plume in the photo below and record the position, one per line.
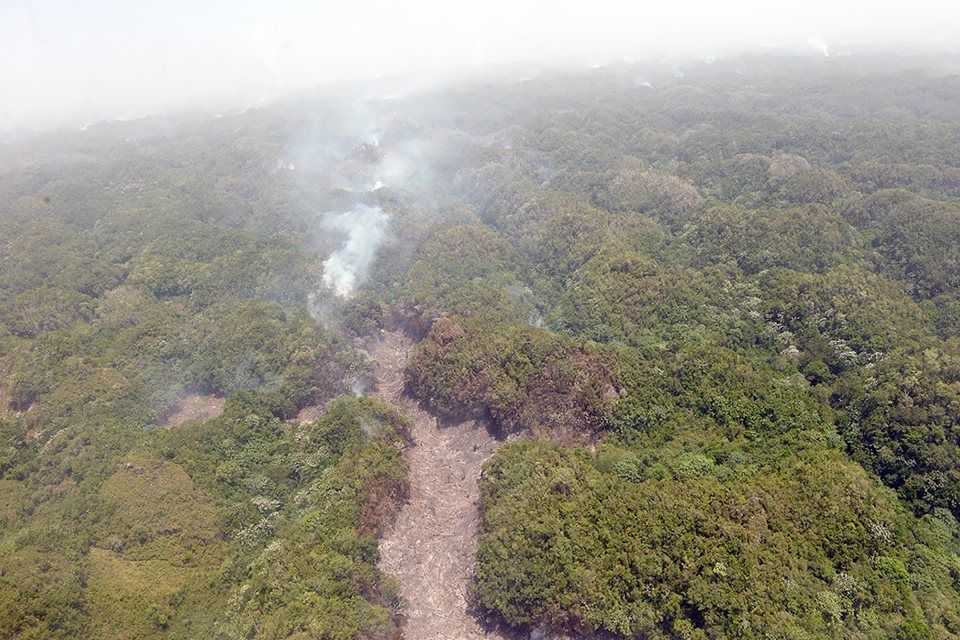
(365, 228)
(356, 153)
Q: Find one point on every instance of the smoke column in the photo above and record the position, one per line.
(365, 228)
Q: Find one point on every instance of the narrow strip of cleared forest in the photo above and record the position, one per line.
(430, 548)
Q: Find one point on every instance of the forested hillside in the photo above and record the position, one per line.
(714, 313)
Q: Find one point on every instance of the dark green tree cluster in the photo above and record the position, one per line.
(763, 266)
(733, 293)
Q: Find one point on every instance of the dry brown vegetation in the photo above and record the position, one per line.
(430, 547)
(193, 406)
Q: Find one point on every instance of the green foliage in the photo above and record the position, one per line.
(112, 308)
(40, 310)
(216, 263)
(917, 241)
(564, 544)
(307, 566)
(811, 239)
(846, 318)
(628, 297)
(55, 256)
(661, 195)
(245, 346)
(520, 376)
(903, 423)
(739, 288)
(463, 269)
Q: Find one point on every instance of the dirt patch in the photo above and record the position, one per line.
(310, 413)
(193, 406)
(431, 546)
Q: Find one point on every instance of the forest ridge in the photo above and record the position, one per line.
(710, 319)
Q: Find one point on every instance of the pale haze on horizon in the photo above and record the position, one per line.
(66, 62)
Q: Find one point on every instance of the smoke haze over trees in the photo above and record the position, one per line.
(69, 63)
(684, 330)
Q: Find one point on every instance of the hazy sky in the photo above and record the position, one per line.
(77, 61)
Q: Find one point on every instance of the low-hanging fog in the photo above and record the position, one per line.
(74, 63)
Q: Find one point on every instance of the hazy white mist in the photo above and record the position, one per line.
(74, 62)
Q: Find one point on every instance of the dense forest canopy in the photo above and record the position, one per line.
(716, 315)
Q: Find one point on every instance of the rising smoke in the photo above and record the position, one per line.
(372, 151)
(364, 228)
(377, 172)
(339, 161)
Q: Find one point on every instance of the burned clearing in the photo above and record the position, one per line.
(430, 547)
